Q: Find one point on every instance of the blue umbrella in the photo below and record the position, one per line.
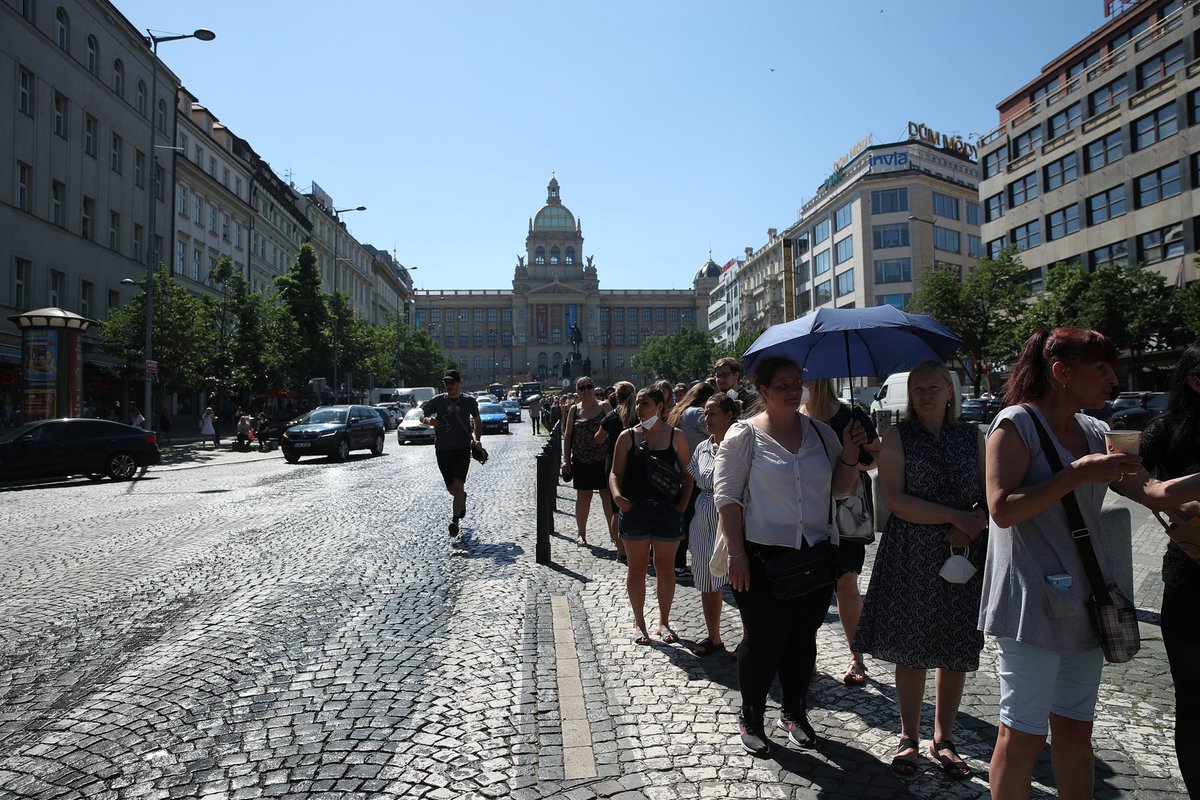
(845, 342)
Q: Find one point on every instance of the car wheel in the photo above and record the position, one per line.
(343, 451)
(121, 466)
(377, 448)
(290, 458)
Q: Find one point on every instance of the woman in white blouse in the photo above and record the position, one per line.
(776, 475)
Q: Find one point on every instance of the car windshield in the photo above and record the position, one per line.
(510, 404)
(319, 415)
(490, 408)
(16, 433)
(413, 413)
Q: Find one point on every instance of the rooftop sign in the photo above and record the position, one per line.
(919, 132)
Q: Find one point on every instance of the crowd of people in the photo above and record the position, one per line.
(751, 481)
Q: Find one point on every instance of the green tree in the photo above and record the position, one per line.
(305, 322)
(686, 356)
(182, 330)
(739, 346)
(984, 307)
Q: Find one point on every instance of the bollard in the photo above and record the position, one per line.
(546, 479)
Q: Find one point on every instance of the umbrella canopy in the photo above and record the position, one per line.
(845, 342)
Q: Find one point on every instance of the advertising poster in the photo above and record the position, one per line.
(41, 374)
(572, 315)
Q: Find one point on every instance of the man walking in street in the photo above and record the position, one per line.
(452, 415)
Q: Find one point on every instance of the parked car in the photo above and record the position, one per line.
(412, 429)
(91, 447)
(333, 431)
(389, 415)
(1136, 418)
(512, 408)
(494, 418)
(978, 409)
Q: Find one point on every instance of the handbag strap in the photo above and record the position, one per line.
(1079, 530)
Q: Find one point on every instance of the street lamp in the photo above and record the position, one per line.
(204, 35)
(334, 276)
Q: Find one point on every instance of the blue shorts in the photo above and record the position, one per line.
(659, 522)
(1035, 683)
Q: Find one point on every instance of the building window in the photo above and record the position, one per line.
(1023, 190)
(1107, 97)
(995, 162)
(972, 213)
(823, 293)
(618, 315)
(225, 227)
(212, 166)
(26, 9)
(619, 338)
(212, 218)
(900, 301)
(141, 98)
(886, 201)
(91, 129)
(893, 270)
(1160, 245)
(491, 314)
(820, 232)
(1063, 222)
(181, 201)
(994, 207)
(160, 118)
(114, 230)
(945, 206)
(947, 240)
(843, 250)
(890, 235)
(1027, 235)
(1064, 121)
(139, 169)
(57, 289)
(1121, 39)
(1112, 255)
(62, 35)
(570, 257)
(1159, 67)
(660, 314)
(1062, 171)
(1155, 126)
(1157, 185)
(843, 217)
(539, 255)
(21, 192)
(554, 254)
(477, 314)
(995, 246)
(1080, 66)
(58, 198)
(21, 272)
(119, 78)
(974, 246)
(1045, 89)
(556, 335)
(117, 158)
(1104, 151)
(1027, 142)
(160, 180)
(61, 110)
(25, 89)
(87, 218)
(87, 298)
(478, 338)
(1106, 205)
(136, 250)
(197, 260)
(844, 282)
(491, 338)
(506, 315)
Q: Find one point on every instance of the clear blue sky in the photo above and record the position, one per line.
(672, 126)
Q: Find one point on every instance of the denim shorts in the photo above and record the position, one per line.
(1035, 682)
(659, 522)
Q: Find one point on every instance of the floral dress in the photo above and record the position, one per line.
(911, 615)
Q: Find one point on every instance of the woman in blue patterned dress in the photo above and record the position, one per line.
(931, 476)
(719, 413)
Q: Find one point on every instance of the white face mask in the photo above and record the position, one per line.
(732, 394)
(957, 568)
(650, 423)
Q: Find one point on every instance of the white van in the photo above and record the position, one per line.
(415, 395)
(893, 394)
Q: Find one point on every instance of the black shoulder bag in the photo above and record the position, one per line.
(812, 568)
(664, 479)
(1113, 615)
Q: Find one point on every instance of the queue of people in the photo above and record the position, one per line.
(978, 543)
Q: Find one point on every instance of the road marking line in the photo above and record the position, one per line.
(579, 760)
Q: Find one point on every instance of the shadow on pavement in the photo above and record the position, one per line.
(568, 572)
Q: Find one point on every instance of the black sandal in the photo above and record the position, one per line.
(706, 647)
(955, 770)
(902, 765)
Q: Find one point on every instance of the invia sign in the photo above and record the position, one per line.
(885, 162)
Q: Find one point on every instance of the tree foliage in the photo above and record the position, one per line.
(305, 322)
(685, 356)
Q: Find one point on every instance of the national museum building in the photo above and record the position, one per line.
(507, 335)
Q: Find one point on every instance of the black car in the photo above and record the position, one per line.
(1136, 418)
(978, 409)
(333, 431)
(91, 447)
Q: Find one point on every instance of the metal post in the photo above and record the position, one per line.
(546, 481)
(152, 230)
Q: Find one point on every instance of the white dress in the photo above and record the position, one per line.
(207, 430)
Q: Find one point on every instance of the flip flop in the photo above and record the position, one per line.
(706, 647)
(642, 638)
(955, 770)
(668, 636)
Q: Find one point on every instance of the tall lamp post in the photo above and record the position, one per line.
(204, 35)
(337, 224)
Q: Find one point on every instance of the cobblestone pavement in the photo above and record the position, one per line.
(232, 626)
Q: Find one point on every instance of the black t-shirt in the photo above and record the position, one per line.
(1164, 462)
(452, 428)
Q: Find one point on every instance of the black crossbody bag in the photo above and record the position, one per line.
(1112, 613)
(812, 568)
